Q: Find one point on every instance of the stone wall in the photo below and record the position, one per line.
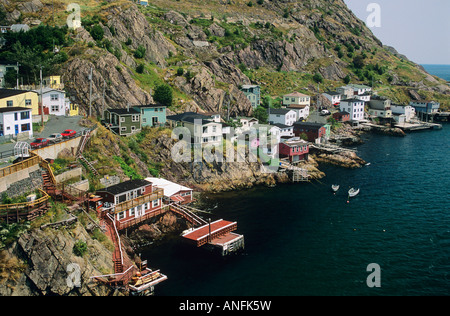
(26, 185)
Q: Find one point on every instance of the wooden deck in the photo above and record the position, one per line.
(210, 231)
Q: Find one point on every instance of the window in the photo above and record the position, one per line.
(155, 203)
(122, 120)
(144, 120)
(123, 129)
(121, 215)
(54, 97)
(135, 118)
(214, 129)
(28, 102)
(132, 211)
(24, 115)
(133, 128)
(9, 103)
(25, 127)
(55, 108)
(16, 116)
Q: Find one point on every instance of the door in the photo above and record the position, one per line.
(154, 120)
(16, 129)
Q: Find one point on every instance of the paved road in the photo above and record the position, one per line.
(55, 124)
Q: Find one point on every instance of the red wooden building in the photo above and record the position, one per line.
(131, 201)
(312, 131)
(341, 116)
(294, 149)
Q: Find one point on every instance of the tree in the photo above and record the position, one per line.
(347, 79)
(358, 62)
(318, 78)
(140, 52)
(97, 32)
(261, 114)
(163, 94)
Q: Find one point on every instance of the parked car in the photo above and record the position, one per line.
(68, 133)
(325, 112)
(54, 138)
(39, 143)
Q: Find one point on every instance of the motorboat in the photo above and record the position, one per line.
(353, 192)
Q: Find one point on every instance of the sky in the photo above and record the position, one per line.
(419, 29)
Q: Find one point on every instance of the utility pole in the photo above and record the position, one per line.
(42, 99)
(103, 100)
(90, 93)
(17, 77)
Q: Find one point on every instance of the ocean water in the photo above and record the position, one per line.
(301, 239)
(442, 71)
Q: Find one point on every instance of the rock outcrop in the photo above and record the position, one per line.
(48, 265)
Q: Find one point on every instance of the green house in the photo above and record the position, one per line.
(153, 115)
(123, 122)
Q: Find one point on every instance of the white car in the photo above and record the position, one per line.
(325, 112)
(55, 138)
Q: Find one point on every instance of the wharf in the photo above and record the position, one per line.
(217, 234)
(417, 126)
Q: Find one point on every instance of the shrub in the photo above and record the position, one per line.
(97, 32)
(140, 52)
(140, 68)
(163, 94)
(318, 78)
(80, 248)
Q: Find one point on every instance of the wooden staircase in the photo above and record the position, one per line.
(88, 165)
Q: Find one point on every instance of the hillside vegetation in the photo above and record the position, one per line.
(204, 50)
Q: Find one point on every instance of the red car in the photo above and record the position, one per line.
(39, 143)
(68, 133)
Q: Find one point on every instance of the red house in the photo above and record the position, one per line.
(313, 131)
(294, 149)
(341, 116)
(131, 201)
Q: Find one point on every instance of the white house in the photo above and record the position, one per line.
(296, 98)
(285, 130)
(359, 89)
(334, 97)
(302, 110)
(54, 100)
(402, 113)
(282, 116)
(380, 107)
(364, 97)
(202, 128)
(353, 106)
(16, 121)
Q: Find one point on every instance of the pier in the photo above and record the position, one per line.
(418, 126)
(217, 234)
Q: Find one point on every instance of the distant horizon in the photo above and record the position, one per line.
(407, 23)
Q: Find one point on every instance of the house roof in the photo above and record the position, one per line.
(296, 106)
(282, 126)
(130, 111)
(14, 109)
(191, 117)
(296, 95)
(332, 93)
(169, 187)
(126, 186)
(310, 125)
(295, 141)
(5, 93)
(154, 105)
(353, 99)
(279, 111)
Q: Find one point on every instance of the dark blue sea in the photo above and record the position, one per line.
(442, 71)
(301, 239)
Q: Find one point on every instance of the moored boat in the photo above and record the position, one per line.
(335, 187)
(353, 192)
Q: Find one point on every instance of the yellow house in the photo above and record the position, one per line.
(73, 109)
(53, 82)
(19, 98)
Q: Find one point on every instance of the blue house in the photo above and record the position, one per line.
(153, 115)
(253, 94)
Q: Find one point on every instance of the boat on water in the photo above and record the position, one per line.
(353, 192)
(335, 187)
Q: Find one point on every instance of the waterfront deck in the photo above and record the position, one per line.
(208, 232)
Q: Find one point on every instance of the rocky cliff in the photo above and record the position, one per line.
(220, 45)
(42, 262)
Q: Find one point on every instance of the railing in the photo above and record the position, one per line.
(6, 171)
(23, 209)
(124, 206)
(44, 164)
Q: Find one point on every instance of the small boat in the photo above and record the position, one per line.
(335, 187)
(353, 192)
